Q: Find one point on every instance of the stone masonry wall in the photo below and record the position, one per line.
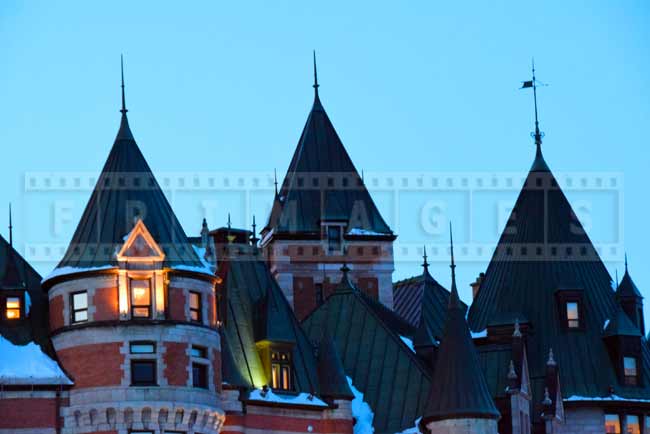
(463, 426)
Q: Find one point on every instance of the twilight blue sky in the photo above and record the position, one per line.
(412, 88)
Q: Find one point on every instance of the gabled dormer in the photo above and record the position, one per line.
(630, 299)
(623, 340)
(13, 293)
(141, 276)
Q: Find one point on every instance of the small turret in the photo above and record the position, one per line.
(630, 299)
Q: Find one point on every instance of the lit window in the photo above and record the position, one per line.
(200, 375)
(281, 370)
(12, 307)
(142, 348)
(334, 238)
(632, 424)
(199, 352)
(573, 315)
(140, 298)
(143, 372)
(612, 424)
(195, 306)
(79, 306)
(630, 371)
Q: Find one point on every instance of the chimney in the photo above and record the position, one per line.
(476, 285)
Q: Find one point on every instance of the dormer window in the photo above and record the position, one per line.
(140, 298)
(630, 371)
(13, 309)
(281, 370)
(573, 314)
(334, 235)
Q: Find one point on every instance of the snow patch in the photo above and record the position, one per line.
(359, 231)
(28, 302)
(610, 398)
(28, 364)
(408, 342)
(606, 324)
(413, 430)
(195, 269)
(62, 271)
(200, 252)
(479, 335)
(361, 412)
(300, 399)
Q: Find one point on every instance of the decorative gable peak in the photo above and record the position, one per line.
(140, 246)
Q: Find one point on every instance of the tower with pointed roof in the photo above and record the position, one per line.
(321, 208)
(546, 273)
(132, 309)
(459, 400)
(631, 300)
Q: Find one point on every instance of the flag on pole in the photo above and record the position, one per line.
(527, 84)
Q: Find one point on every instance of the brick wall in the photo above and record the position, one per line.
(212, 313)
(93, 365)
(176, 363)
(56, 313)
(304, 296)
(105, 303)
(27, 413)
(463, 426)
(369, 285)
(177, 304)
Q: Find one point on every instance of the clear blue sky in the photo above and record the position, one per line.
(412, 87)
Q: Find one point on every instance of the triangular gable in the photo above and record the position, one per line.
(140, 246)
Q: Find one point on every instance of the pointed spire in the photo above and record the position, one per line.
(254, 238)
(538, 134)
(11, 228)
(454, 299)
(275, 181)
(625, 253)
(316, 85)
(229, 224)
(123, 110)
(517, 332)
(551, 360)
(425, 264)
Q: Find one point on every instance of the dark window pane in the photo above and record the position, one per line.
(200, 375)
(143, 372)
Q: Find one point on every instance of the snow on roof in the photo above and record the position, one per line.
(408, 342)
(62, 271)
(200, 252)
(359, 231)
(195, 269)
(299, 399)
(479, 335)
(28, 364)
(414, 429)
(610, 398)
(361, 411)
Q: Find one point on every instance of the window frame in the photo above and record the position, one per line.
(151, 362)
(198, 310)
(74, 311)
(277, 383)
(620, 425)
(203, 368)
(631, 380)
(132, 343)
(566, 296)
(21, 306)
(141, 306)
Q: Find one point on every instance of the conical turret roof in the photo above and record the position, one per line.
(458, 387)
(627, 288)
(125, 191)
(323, 184)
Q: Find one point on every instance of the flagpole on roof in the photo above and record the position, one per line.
(538, 135)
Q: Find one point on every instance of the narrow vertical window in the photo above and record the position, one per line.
(630, 371)
(334, 238)
(79, 307)
(573, 314)
(281, 370)
(612, 424)
(195, 306)
(632, 424)
(13, 308)
(140, 298)
(200, 375)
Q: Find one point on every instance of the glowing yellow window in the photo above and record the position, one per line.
(281, 370)
(12, 307)
(612, 424)
(140, 298)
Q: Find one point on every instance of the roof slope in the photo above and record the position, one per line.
(307, 197)
(627, 287)
(544, 248)
(458, 389)
(422, 298)
(248, 284)
(16, 273)
(126, 189)
(394, 382)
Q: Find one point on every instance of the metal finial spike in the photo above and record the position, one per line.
(425, 264)
(517, 332)
(626, 262)
(551, 359)
(547, 398)
(512, 373)
(275, 180)
(124, 110)
(316, 85)
(451, 242)
(11, 228)
(616, 278)
(228, 220)
(254, 227)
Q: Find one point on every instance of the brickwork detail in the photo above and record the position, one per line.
(176, 363)
(18, 413)
(105, 303)
(56, 313)
(177, 304)
(82, 363)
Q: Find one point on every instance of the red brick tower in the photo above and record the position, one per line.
(132, 313)
(323, 216)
